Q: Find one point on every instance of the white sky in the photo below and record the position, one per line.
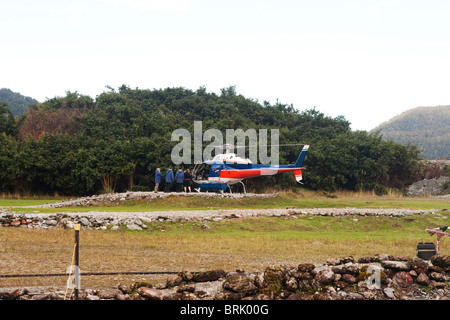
(366, 60)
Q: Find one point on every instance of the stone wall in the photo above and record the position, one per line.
(140, 220)
(401, 278)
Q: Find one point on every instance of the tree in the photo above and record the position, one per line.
(7, 121)
(75, 145)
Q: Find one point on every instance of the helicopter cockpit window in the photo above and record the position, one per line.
(201, 172)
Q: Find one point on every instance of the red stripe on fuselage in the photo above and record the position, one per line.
(251, 173)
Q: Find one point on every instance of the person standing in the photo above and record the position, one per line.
(179, 179)
(187, 180)
(169, 180)
(157, 179)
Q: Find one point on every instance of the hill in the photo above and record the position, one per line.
(17, 102)
(428, 128)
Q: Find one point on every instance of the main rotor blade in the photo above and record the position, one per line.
(275, 145)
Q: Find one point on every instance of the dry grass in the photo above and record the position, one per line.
(25, 251)
(250, 244)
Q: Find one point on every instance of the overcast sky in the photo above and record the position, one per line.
(366, 60)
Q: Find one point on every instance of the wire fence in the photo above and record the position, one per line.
(74, 272)
(25, 275)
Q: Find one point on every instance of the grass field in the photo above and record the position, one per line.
(245, 243)
(301, 199)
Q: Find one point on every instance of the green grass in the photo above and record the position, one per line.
(303, 199)
(308, 226)
(5, 202)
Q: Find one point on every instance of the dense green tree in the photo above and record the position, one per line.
(7, 121)
(75, 145)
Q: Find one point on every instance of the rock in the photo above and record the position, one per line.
(294, 296)
(383, 257)
(348, 259)
(109, 294)
(442, 261)
(439, 276)
(135, 287)
(150, 293)
(403, 258)
(435, 269)
(41, 297)
(68, 224)
(13, 295)
(15, 223)
(121, 297)
(350, 279)
(396, 265)
(333, 261)
(184, 288)
(124, 288)
(428, 186)
(346, 268)
(205, 276)
(173, 281)
(402, 279)
(370, 294)
(419, 266)
(186, 275)
(437, 285)
(423, 279)
(292, 284)
(51, 222)
(173, 296)
(355, 296)
(366, 260)
(389, 292)
(273, 280)
(302, 275)
(337, 277)
(305, 267)
(84, 222)
(133, 227)
(240, 284)
(324, 276)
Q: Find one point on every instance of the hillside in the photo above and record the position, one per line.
(428, 128)
(17, 102)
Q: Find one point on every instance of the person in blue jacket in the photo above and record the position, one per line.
(157, 179)
(179, 176)
(169, 179)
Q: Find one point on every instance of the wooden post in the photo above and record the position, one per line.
(77, 259)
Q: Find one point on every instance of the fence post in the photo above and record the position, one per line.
(77, 259)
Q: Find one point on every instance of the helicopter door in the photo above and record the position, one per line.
(201, 172)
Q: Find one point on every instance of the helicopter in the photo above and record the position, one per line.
(227, 169)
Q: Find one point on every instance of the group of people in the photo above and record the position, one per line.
(181, 178)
